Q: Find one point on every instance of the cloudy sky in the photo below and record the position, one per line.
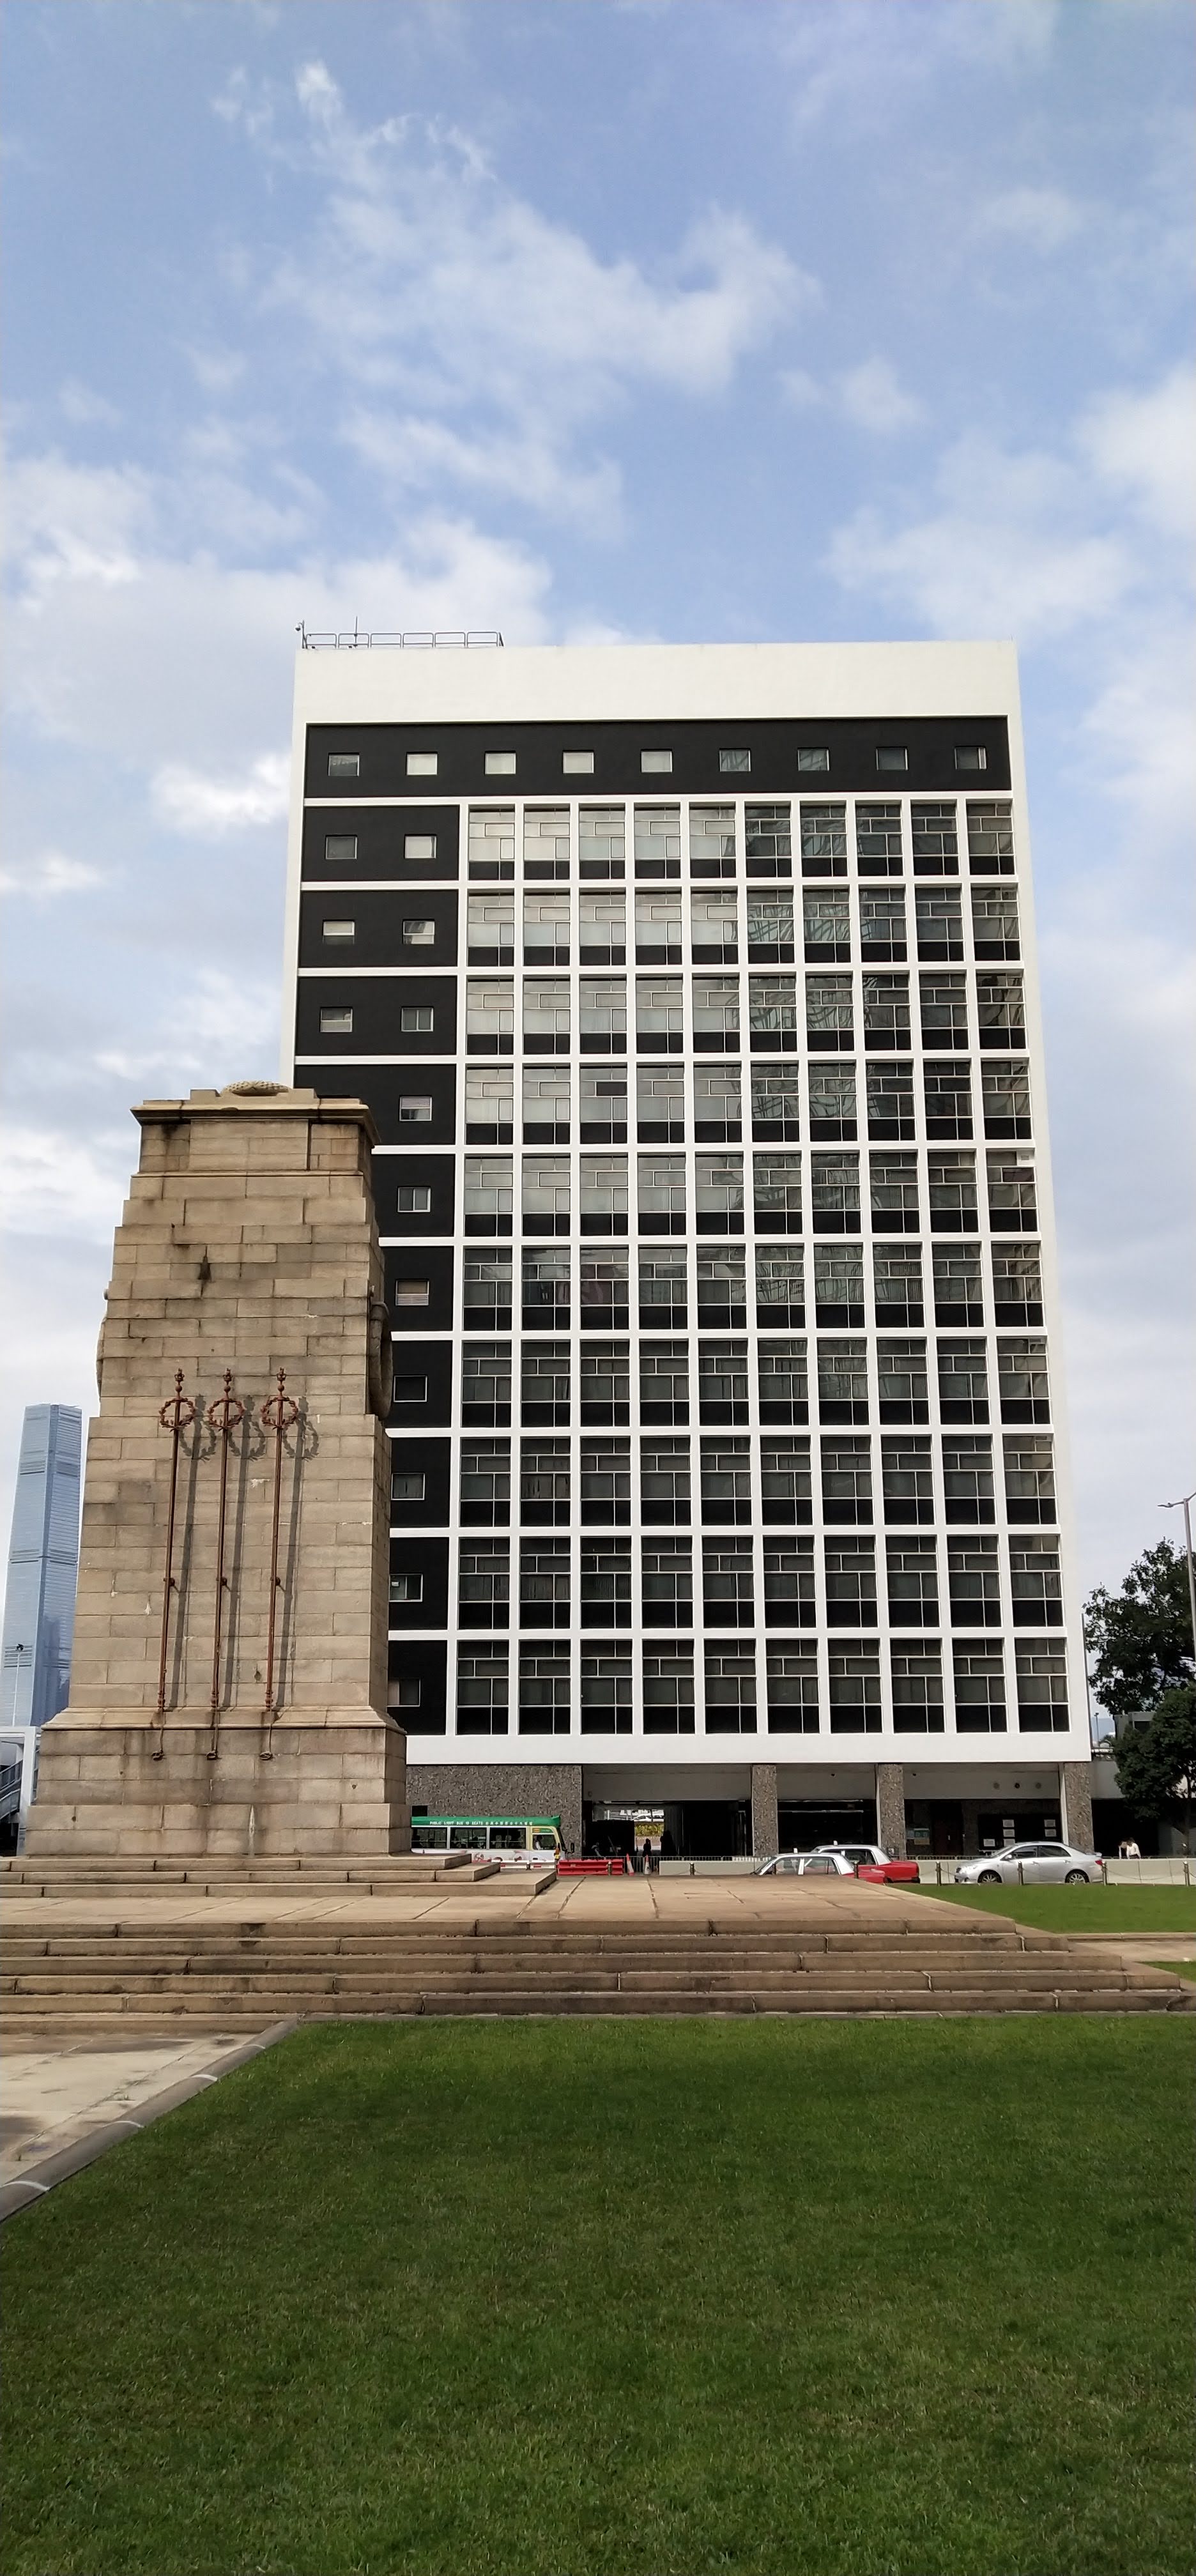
(677, 319)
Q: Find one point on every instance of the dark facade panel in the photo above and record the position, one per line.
(388, 929)
(400, 1099)
(422, 1267)
(399, 1015)
(390, 842)
(852, 744)
(415, 1684)
(420, 1464)
(422, 1563)
(425, 1178)
(426, 1366)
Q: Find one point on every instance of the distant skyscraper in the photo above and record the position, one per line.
(43, 1563)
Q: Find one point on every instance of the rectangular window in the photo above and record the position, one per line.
(947, 1090)
(913, 1584)
(488, 1194)
(605, 1585)
(990, 838)
(878, 840)
(776, 1103)
(544, 1384)
(605, 1694)
(419, 932)
(826, 929)
(415, 1108)
(546, 841)
(658, 1021)
(792, 1690)
(890, 1093)
(944, 1000)
(770, 928)
(336, 1023)
(842, 1381)
(714, 929)
(602, 929)
(668, 1591)
(891, 755)
(883, 936)
(772, 1014)
(660, 1193)
(500, 764)
(938, 922)
(824, 840)
(411, 1292)
(716, 1013)
(1001, 1010)
(996, 930)
(1036, 1585)
(963, 1382)
(718, 1193)
(730, 1693)
(483, 1694)
(734, 763)
(605, 1384)
(602, 841)
(722, 1290)
(546, 929)
(958, 1292)
(656, 764)
(340, 849)
(668, 1694)
(979, 1689)
(1005, 1096)
(936, 840)
(544, 1483)
(785, 1487)
(664, 1382)
(484, 1587)
(577, 764)
(419, 845)
(408, 1485)
(486, 1483)
(839, 1286)
(901, 1378)
(718, 1104)
(907, 1481)
(975, 1582)
(338, 930)
(546, 1193)
(789, 1584)
(722, 1381)
(727, 1480)
(413, 1198)
(829, 1023)
(410, 1390)
(917, 1678)
(416, 1019)
(893, 1188)
(344, 764)
(663, 1292)
(712, 842)
(897, 1284)
(604, 1292)
(728, 1593)
(886, 1013)
(968, 1479)
(421, 764)
(1022, 1372)
(768, 840)
(544, 1588)
(952, 1184)
(491, 842)
(970, 755)
(776, 1182)
(664, 1482)
(854, 1694)
(1017, 1283)
(846, 1480)
(1030, 1477)
(1041, 1689)
(812, 756)
(780, 1287)
(486, 1386)
(783, 1383)
(487, 1294)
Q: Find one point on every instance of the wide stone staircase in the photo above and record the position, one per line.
(146, 1978)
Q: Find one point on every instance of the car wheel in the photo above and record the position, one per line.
(1076, 1878)
(988, 1878)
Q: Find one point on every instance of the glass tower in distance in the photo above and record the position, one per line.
(43, 1566)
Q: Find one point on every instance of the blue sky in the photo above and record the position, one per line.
(589, 319)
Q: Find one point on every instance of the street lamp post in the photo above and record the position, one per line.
(1184, 1505)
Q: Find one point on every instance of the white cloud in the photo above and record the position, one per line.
(860, 63)
(1145, 445)
(49, 874)
(211, 807)
(56, 1182)
(1045, 219)
(223, 1028)
(85, 408)
(415, 453)
(872, 397)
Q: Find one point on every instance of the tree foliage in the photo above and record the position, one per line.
(1139, 1640)
(1156, 1764)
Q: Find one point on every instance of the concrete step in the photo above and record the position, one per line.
(231, 2013)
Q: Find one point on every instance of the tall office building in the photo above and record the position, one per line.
(43, 1565)
(693, 991)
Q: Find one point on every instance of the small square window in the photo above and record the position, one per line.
(500, 764)
(416, 1016)
(344, 764)
(340, 848)
(420, 933)
(735, 764)
(411, 1390)
(336, 1023)
(419, 845)
(415, 1199)
(892, 755)
(421, 764)
(338, 930)
(410, 1694)
(970, 755)
(412, 1292)
(811, 756)
(408, 1486)
(656, 764)
(406, 1587)
(415, 1109)
(577, 764)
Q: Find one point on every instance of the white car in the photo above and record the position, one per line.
(826, 1864)
(1033, 1865)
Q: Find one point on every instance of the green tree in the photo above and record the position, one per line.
(1156, 1764)
(1139, 1640)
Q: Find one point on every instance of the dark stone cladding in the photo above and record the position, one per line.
(500, 1789)
(852, 743)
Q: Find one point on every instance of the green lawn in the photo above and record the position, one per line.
(584, 2298)
(1080, 1909)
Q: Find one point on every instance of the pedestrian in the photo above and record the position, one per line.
(1131, 1850)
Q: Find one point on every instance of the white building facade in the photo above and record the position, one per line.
(694, 993)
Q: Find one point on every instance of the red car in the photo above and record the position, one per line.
(869, 1861)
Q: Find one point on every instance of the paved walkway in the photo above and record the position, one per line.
(571, 1903)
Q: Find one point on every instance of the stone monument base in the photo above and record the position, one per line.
(331, 1785)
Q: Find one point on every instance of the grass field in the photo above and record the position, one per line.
(1080, 1909)
(470, 2298)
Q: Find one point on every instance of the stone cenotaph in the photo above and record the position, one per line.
(228, 1687)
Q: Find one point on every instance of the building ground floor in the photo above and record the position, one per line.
(933, 1811)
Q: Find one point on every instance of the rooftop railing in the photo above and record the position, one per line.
(412, 639)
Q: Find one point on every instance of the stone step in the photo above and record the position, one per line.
(230, 2013)
(312, 1985)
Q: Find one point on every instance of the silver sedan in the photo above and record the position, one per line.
(1032, 1865)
